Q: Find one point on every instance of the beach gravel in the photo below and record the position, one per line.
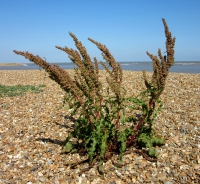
(34, 126)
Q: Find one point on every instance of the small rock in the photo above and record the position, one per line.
(112, 169)
(167, 182)
(40, 174)
(34, 168)
(49, 162)
(182, 130)
(118, 174)
(42, 179)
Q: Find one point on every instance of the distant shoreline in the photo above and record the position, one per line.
(192, 67)
(10, 64)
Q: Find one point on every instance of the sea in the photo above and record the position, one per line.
(192, 67)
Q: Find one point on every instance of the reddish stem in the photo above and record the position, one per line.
(117, 121)
(87, 116)
(139, 124)
(98, 113)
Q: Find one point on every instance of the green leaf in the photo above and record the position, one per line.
(152, 152)
(104, 144)
(157, 141)
(67, 148)
(92, 149)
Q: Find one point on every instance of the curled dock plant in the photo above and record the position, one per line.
(101, 128)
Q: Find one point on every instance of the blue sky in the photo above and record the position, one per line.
(128, 28)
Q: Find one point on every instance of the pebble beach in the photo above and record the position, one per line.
(34, 126)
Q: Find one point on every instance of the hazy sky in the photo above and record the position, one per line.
(128, 28)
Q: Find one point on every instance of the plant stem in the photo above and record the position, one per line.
(139, 124)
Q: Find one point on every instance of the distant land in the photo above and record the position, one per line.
(10, 64)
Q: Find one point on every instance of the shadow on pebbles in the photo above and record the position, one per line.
(34, 126)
